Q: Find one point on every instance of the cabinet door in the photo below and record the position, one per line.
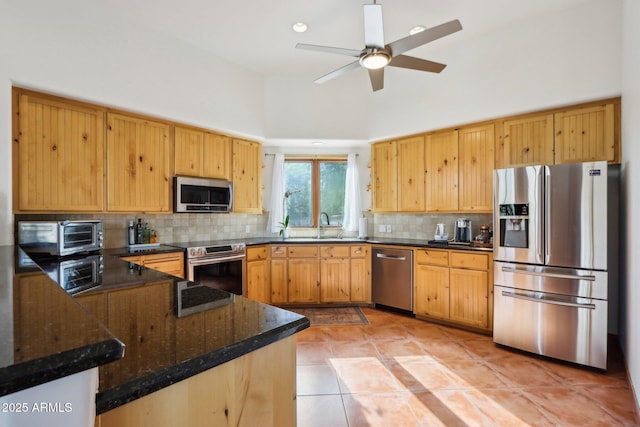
(188, 151)
(585, 135)
(475, 150)
(258, 288)
(217, 156)
(441, 161)
(360, 280)
(138, 172)
(431, 291)
(279, 281)
(385, 177)
(247, 176)
(335, 280)
(469, 297)
(526, 141)
(303, 280)
(411, 182)
(59, 156)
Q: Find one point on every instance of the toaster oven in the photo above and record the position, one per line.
(60, 238)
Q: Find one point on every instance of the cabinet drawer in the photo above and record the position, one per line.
(432, 257)
(359, 251)
(470, 260)
(299, 251)
(256, 253)
(339, 251)
(278, 251)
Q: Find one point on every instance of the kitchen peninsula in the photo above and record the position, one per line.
(231, 363)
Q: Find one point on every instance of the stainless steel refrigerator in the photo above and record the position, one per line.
(556, 260)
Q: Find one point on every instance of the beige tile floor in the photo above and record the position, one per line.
(398, 371)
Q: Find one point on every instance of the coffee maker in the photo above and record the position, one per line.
(463, 230)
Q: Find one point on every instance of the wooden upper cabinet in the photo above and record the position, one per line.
(247, 176)
(441, 161)
(526, 141)
(475, 148)
(188, 151)
(58, 155)
(384, 157)
(411, 171)
(138, 165)
(217, 156)
(202, 154)
(585, 135)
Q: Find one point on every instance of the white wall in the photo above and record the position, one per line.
(565, 57)
(77, 49)
(630, 301)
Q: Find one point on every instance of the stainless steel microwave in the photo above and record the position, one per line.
(60, 238)
(200, 195)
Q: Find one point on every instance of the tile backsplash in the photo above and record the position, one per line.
(422, 226)
(175, 228)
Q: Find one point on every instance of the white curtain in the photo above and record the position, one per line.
(276, 206)
(352, 208)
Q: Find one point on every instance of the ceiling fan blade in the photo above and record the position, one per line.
(377, 78)
(413, 63)
(373, 29)
(338, 72)
(328, 49)
(400, 46)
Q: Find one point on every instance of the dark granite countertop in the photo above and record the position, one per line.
(138, 307)
(45, 334)
(354, 241)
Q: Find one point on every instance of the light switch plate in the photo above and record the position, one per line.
(388, 228)
(382, 228)
(247, 229)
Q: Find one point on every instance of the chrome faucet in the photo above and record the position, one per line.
(320, 221)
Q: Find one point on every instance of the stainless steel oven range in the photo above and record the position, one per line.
(221, 266)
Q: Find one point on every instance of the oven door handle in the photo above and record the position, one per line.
(547, 300)
(207, 261)
(543, 274)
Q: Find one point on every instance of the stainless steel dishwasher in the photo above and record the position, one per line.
(392, 277)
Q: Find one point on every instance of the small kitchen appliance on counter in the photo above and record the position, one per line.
(463, 231)
(440, 234)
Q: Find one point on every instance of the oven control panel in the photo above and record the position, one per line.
(216, 251)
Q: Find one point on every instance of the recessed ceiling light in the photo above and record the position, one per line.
(417, 29)
(317, 143)
(299, 27)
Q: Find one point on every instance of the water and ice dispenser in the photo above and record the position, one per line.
(514, 225)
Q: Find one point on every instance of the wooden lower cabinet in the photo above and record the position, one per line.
(454, 286)
(170, 262)
(313, 274)
(259, 387)
(258, 283)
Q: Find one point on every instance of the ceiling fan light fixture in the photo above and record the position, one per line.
(374, 59)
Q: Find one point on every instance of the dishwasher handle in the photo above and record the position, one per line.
(394, 257)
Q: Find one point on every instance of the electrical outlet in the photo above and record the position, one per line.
(382, 228)
(247, 229)
(388, 228)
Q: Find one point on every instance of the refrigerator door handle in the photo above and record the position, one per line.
(543, 274)
(541, 245)
(547, 300)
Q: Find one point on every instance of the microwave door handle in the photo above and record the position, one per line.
(547, 300)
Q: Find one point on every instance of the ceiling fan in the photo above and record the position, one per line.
(376, 55)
